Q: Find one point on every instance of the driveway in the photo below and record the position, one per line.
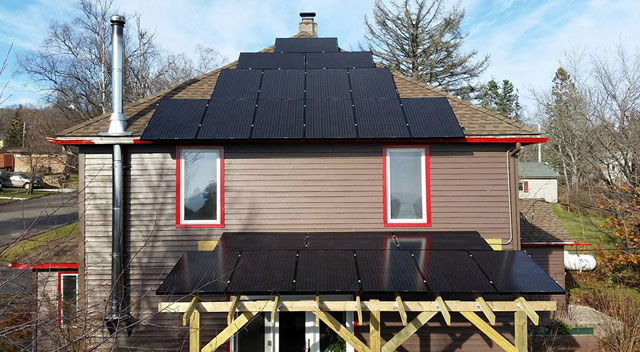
(37, 215)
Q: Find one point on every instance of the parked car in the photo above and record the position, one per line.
(17, 179)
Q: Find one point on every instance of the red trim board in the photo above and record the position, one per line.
(44, 266)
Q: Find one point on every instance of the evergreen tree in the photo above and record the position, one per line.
(420, 40)
(502, 99)
(13, 137)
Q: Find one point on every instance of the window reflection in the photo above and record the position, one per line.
(200, 186)
(405, 173)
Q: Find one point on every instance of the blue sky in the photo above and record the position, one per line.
(525, 39)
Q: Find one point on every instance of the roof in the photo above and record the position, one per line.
(381, 262)
(538, 223)
(475, 120)
(532, 169)
(64, 250)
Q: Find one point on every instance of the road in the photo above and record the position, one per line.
(37, 215)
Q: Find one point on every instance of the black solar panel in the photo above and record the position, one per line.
(451, 272)
(227, 119)
(279, 119)
(381, 118)
(354, 59)
(330, 119)
(389, 271)
(441, 240)
(373, 83)
(314, 264)
(352, 240)
(200, 272)
(431, 118)
(264, 272)
(175, 119)
(515, 272)
(270, 60)
(328, 84)
(237, 84)
(306, 45)
(262, 241)
(282, 84)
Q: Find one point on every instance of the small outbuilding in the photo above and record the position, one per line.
(538, 180)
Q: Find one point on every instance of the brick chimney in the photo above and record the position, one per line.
(307, 24)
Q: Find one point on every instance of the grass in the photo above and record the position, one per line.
(25, 247)
(17, 194)
(585, 228)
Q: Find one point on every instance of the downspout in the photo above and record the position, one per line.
(117, 128)
(510, 153)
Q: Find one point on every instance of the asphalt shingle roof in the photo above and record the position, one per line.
(538, 223)
(531, 169)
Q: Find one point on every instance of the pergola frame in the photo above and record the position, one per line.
(246, 310)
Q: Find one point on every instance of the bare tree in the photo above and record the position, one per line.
(420, 39)
(3, 68)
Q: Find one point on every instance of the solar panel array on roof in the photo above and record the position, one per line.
(379, 262)
(279, 119)
(330, 119)
(306, 45)
(282, 84)
(237, 84)
(176, 119)
(372, 83)
(328, 84)
(380, 118)
(271, 60)
(227, 119)
(431, 117)
(347, 59)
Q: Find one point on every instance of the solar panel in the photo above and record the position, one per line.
(326, 271)
(279, 119)
(515, 272)
(431, 117)
(175, 119)
(350, 59)
(381, 118)
(330, 119)
(237, 84)
(389, 271)
(451, 272)
(262, 241)
(227, 119)
(200, 272)
(441, 240)
(282, 84)
(351, 240)
(328, 84)
(372, 83)
(306, 45)
(270, 60)
(264, 272)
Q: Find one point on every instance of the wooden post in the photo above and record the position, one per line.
(194, 331)
(521, 331)
(374, 329)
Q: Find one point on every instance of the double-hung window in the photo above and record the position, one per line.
(200, 187)
(68, 301)
(406, 186)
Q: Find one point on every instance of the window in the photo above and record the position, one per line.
(68, 297)
(200, 187)
(523, 186)
(406, 186)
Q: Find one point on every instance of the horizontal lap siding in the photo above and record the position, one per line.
(270, 188)
(551, 260)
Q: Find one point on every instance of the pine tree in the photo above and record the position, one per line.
(13, 137)
(420, 40)
(502, 99)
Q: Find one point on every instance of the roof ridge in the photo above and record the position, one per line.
(467, 103)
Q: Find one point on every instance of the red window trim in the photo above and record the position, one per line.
(178, 180)
(427, 175)
(60, 273)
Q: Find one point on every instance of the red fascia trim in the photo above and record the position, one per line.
(44, 266)
(138, 141)
(552, 244)
(506, 139)
(178, 180)
(69, 141)
(427, 175)
(60, 273)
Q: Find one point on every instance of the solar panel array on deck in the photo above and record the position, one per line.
(379, 262)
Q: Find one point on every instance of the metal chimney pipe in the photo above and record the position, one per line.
(117, 123)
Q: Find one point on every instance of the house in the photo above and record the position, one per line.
(538, 181)
(300, 197)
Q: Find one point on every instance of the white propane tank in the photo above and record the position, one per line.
(580, 262)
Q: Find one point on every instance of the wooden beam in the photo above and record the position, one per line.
(350, 306)
(341, 330)
(527, 308)
(275, 310)
(194, 332)
(406, 332)
(442, 308)
(229, 331)
(232, 309)
(374, 329)
(403, 313)
(489, 331)
(190, 308)
(521, 331)
(317, 309)
(359, 309)
(484, 307)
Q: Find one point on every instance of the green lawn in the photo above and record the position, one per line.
(23, 248)
(16, 194)
(585, 228)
